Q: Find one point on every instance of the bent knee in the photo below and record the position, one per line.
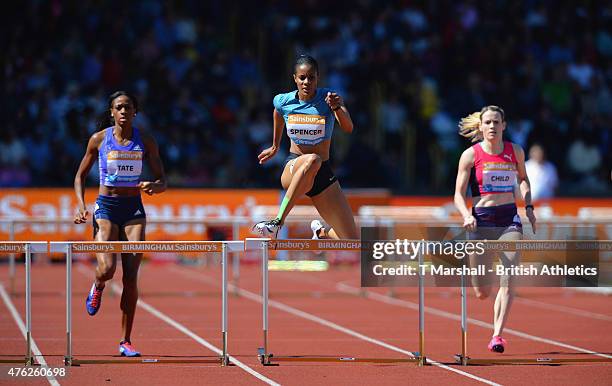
(312, 163)
(482, 293)
(107, 270)
(506, 290)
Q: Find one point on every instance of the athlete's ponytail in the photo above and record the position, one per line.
(469, 127)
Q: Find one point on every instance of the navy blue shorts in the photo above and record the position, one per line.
(118, 210)
(324, 178)
(494, 221)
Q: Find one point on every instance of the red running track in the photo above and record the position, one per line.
(310, 314)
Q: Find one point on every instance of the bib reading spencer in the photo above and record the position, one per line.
(120, 165)
(307, 122)
(493, 173)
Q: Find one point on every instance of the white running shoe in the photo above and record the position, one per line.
(268, 228)
(315, 226)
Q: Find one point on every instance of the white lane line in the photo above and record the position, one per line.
(560, 308)
(41, 359)
(434, 311)
(160, 315)
(605, 291)
(294, 311)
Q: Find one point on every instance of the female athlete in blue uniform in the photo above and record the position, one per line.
(119, 213)
(309, 114)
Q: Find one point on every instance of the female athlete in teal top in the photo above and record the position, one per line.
(309, 114)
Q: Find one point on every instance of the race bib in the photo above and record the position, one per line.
(498, 177)
(305, 128)
(123, 166)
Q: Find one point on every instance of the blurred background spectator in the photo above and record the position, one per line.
(205, 75)
(542, 174)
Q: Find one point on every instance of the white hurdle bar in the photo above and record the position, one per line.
(522, 245)
(68, 248)
(28, 248)
(265, 245)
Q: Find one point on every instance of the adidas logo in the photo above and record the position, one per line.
(137, 147)
(137, 212)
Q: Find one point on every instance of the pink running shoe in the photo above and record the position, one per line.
(497, 344)
(127, 350)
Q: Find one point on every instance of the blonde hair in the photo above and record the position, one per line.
(469, 126)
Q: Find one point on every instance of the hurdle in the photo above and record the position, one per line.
(527, 245)
(68, 248)
(28, 248)
(265, 245)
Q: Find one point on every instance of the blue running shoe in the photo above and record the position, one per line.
(94, 300)
(127, 350)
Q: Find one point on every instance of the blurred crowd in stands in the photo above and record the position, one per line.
(205, 73)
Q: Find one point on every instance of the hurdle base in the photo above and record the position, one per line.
(225, 360)
(136, 361)
(461, 360)
(264, 358)
(466, 361)
(421, 360)
(268, 359)
(23, 361)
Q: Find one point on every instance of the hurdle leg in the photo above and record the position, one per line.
(464, 358)
(68, 357)
(263, 354)
(12, 261)
(236, 260)
(28, 300)
(390, 236)
(421, 357)
(225, 357)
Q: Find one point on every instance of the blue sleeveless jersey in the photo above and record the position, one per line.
(307, 122)
(120, 165)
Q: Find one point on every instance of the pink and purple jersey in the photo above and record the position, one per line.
(493, 173)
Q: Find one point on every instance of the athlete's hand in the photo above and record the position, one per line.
(469, 223)
(148, 187)
(267, 154)
(333, 100)
(81, 216)
(532, 219)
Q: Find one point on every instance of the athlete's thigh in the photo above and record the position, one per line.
(334, 208)
(291, 168)
(106, 231)
(483, 260)
(133, 230)
(510, 258)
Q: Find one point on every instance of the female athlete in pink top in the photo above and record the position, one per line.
(492, 167)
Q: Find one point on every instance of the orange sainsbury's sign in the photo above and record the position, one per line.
(175, 203)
